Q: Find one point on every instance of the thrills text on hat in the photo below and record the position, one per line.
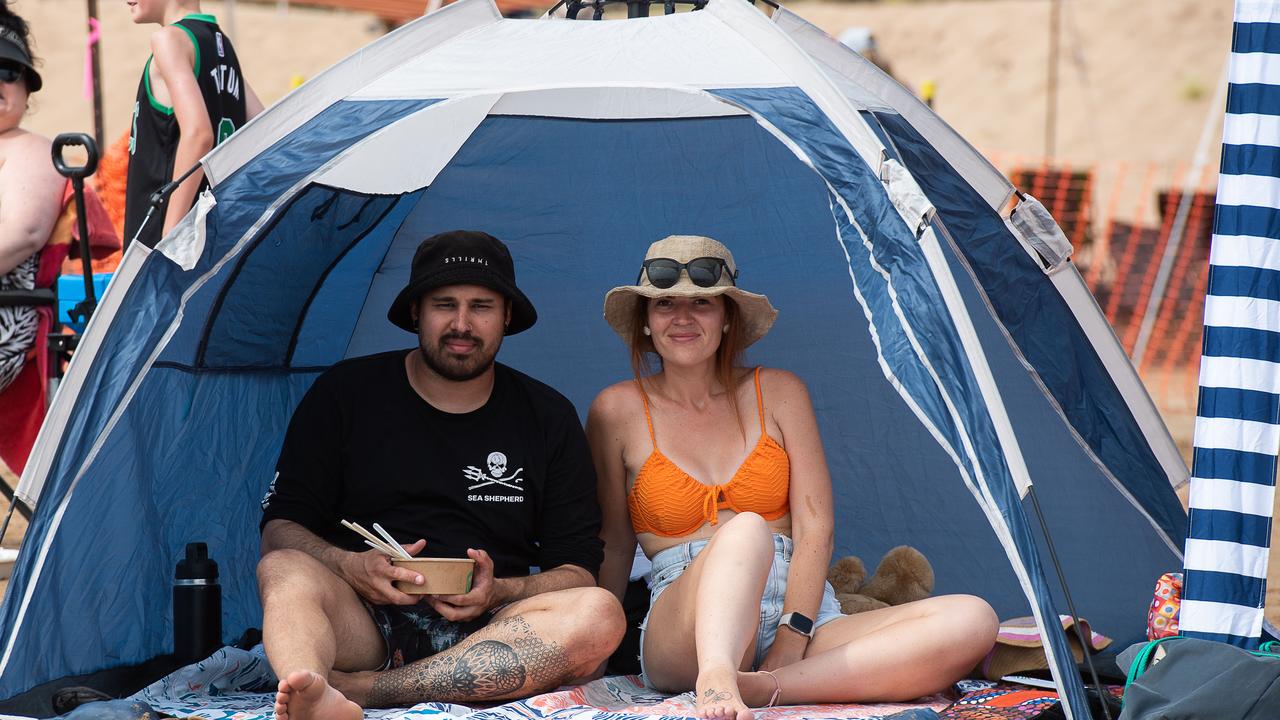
(16, 39)
(466, 259)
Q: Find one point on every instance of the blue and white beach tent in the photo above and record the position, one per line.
(954, 355)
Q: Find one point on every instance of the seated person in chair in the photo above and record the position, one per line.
(465, 457)
(718, 471)
(31, 193)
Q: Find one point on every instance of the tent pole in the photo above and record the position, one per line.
(1085, 645)
(96, 72)
(1178, 231)
(4, 528)
(230, 14)
(1051, 94)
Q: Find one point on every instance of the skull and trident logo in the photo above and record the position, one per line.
(497, 463)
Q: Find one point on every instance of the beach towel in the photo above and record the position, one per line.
(234, 684)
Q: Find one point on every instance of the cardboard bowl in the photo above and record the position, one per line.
(440, 576)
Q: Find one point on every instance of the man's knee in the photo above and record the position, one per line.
(593, 620)
(282, 571)
(589, 621)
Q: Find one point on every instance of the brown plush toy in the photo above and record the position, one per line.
(904, 575)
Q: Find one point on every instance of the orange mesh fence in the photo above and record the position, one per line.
(1100, 255)
(1178, 298)
(1151, 267)
(1119, 252)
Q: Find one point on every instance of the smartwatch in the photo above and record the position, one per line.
(797, 623)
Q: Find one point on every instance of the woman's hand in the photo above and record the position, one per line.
(788, 647)
(812, 519)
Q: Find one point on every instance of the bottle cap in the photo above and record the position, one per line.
(197, 565)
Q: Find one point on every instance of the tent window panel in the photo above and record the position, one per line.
(326, 324)
(1028, 307)
(282, 271)
(870, 119)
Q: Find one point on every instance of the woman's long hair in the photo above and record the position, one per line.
(644, 356)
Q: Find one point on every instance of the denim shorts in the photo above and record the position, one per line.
(413, 632)
(669, 564)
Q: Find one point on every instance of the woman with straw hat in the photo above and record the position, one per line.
(718, 472)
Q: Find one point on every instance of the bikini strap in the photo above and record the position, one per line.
(644, 398)
(759, 400)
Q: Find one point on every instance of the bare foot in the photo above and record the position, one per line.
(304, 695)
(717, 697)
(757, 689)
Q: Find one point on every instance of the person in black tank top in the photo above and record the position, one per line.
(191, 97)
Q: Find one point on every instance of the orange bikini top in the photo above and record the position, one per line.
(667, 501)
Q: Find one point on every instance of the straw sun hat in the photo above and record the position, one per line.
(755, 313)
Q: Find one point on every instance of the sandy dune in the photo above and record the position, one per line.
(1136, 79)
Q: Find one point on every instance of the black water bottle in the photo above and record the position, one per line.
(197, 606)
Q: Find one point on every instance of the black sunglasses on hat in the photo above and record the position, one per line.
(15, 61)
(10, 72)
(703, 272)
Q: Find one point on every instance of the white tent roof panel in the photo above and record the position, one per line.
(599, 103)
(694, 50)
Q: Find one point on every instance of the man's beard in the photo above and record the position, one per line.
(455, 367)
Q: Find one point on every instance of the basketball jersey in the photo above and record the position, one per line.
(153, 137)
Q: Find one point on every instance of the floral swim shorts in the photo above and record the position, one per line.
(413, 632)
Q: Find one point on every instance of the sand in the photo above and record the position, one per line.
(276, 47)
(1136, 78)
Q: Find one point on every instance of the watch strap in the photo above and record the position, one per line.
(793, 621)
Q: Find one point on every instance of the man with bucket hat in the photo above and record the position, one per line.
(453, 455)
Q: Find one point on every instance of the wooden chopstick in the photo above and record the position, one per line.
(371, 538)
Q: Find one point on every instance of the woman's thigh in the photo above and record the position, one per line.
(670, 653)
(851, 627)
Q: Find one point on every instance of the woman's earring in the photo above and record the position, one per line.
(726, 327)
(645, 330)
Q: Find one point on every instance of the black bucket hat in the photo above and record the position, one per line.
(14, 49)
(463, 257)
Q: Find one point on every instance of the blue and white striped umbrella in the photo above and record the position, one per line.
(1237, 432)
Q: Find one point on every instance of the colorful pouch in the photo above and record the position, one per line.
(1162, 618)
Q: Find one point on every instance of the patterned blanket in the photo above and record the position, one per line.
(234, 684)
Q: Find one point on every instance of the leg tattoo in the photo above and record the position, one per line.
(504, 660)
(488, 669)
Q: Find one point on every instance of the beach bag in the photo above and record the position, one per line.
(1162, 617)
(1179, 678)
